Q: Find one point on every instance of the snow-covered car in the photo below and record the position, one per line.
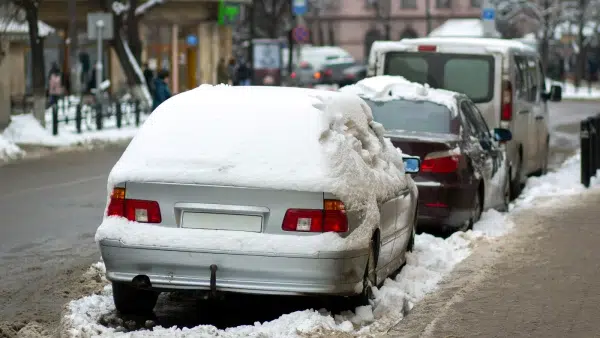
(266, 190)
(464, 168)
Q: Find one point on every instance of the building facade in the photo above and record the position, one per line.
(351, 24)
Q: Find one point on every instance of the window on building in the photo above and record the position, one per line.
(370, 3)
(408, 4)
(476, 3)
(443, 3)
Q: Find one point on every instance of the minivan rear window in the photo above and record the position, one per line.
(419, 116)
(472, 75)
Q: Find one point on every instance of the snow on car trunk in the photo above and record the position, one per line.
(432, 259)
(265, 138)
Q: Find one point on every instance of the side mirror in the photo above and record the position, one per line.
(502, 135)
(555, 93)
(412, 164)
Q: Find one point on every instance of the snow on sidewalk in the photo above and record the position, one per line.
(9, 151)
(570, 92)
(26, 130)
(432, 259)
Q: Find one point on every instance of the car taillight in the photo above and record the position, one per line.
(427, 48)
(328, 72)
(442, 162)
(134, 210)
(507, 94)
(331, 218)
(350, 76)
(317, 75)
(293, 75)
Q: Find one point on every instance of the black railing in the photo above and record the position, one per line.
(87, 115)
(590, 148)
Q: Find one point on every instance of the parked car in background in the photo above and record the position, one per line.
(504, 78)
(464, 168)
(288, 211)
(318, 65)
(353, 74)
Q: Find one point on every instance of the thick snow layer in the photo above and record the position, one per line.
(8, 150)
(432, 259)
(572, 92)
(387, 87)
(25, 129)
(459, 28)
(316, 141)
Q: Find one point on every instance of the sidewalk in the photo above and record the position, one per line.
(540, 281)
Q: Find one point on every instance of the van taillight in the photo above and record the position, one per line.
(427, 48)
(134, 210)
(331, 218)
(507, 94)
(441, 162)
(328, 72)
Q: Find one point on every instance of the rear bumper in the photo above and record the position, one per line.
(170, 269)
(443, 206)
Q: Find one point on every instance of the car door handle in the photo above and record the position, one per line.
(539, 117)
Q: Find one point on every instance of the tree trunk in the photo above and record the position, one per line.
(580, 62)
(544, 48)
(37, 61)
(133, 31)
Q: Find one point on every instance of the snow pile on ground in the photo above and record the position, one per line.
(432, 259)
(9, 150)
(26, 130)
(569, 91)
(319, 141)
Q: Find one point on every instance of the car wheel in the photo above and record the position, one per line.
(515, 186)
(411, 241)
(544, 169)
(131, 300)
(477, 209)
(506, 195)
(370, 278)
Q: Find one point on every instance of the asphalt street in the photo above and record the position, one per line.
(50, 208)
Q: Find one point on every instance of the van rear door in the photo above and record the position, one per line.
(471, 71)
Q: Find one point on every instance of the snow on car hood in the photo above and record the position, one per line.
(387, 87)
(267, 137)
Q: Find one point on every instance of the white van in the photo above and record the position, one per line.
(504, 78)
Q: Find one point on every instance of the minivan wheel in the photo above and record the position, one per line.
(506, 195)
(131, 300)
(515, 185)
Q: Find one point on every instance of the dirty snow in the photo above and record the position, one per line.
(9, 151)
(432, 259)
(26, 130)
(387, 87)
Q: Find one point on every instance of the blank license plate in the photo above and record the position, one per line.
(197, 220)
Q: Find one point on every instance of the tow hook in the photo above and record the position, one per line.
(141, 282)
(213, 280)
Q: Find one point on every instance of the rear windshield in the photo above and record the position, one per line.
(420, 116)
(472, 75)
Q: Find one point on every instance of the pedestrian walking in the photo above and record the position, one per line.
(161, 88)
(244, 74)
(222, 73)
(55, 87)
(231, 72)
(149, 77)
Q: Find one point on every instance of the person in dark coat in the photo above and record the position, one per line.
(161, 88)
(244, 74)
(149, 77)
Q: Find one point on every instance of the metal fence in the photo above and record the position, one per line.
(87, 115)
(590, 148)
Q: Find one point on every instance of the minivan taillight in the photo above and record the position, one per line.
(141, 211)
(443, 162)
(507, 94)
(328, 72)
(331, 218)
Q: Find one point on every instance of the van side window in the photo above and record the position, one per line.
(541, 77)
(534, 86)
(526, 89)
(520, 80)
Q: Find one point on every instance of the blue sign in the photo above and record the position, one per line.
(300, 34)
(488, 14)
(191, 40)
(299, 7)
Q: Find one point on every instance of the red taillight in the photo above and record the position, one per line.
(328, 72)
(350, 76)
(134, 210)
(436, 205)
(440, 164)
(427, 48)
(293, 75)
(331, 218)
(507, 110)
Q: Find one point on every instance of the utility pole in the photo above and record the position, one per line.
(428, 15)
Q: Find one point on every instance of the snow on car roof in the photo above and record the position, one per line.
(265, 137)
(387, 87)
(490, 43)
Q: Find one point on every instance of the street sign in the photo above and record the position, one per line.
(299, 7)
(191, 40)
(100, 22)
(228, 13)
(488, 14)
(300, 34)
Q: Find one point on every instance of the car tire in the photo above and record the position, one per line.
(476, 210)
(370, 277)
(506, 195)
(411, 241)
(515, 185)
(131, 300)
